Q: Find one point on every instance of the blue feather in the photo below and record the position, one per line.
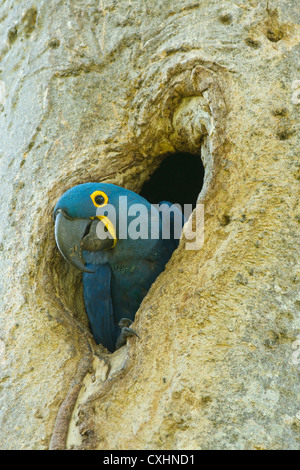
(98, 303)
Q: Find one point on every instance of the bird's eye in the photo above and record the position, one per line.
(99, 198)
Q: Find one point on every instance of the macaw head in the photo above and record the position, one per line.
(78, 213)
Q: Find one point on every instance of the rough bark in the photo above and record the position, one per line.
(95, 91)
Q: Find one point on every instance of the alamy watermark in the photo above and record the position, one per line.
(2, 352)
(158, 221)
(296, 353)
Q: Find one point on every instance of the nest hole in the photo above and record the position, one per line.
(178, 179)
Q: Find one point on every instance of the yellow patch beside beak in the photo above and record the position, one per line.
(109, 226)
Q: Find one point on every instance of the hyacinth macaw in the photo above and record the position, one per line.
(111, 239)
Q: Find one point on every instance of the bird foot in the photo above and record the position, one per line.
(126, 332)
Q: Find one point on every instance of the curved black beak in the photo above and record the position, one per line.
(74, 235)
(68, 235)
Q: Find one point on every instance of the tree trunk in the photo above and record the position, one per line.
(102, 91)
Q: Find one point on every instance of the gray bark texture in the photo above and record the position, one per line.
(101, 90)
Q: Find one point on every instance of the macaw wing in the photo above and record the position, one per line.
(98, 304)
(129, 287)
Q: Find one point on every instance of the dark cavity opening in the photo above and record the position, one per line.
(178, 179)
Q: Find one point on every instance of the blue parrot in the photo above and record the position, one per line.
(121, 243)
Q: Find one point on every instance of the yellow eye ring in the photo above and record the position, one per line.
(99, 198)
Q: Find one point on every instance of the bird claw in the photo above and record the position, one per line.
(124, 322)
(126, 332)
